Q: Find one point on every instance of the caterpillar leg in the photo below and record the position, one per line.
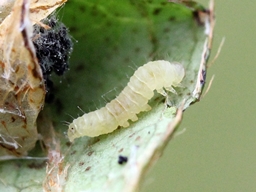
(171, 90)
(168, 101)
(162, 92)
(125, 124)
(146, 108)
(134, 118)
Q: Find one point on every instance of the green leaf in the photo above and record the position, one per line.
(114, 39)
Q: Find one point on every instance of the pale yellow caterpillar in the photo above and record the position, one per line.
(155, 75)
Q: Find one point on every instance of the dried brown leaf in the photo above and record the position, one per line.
(22, 89)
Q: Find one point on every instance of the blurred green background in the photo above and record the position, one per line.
(217, 150)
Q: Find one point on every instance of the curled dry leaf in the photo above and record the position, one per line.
(5, 8)
(40, 9)
(22, 89)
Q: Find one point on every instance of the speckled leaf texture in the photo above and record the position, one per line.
(111, 40)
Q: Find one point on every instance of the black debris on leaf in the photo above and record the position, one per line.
(53, 47)
(122, 159)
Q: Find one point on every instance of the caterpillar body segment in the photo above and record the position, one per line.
(155, 75)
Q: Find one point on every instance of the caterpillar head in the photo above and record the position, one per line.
(72, 132)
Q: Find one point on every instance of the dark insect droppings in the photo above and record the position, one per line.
(53, 47)
(122, 159)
